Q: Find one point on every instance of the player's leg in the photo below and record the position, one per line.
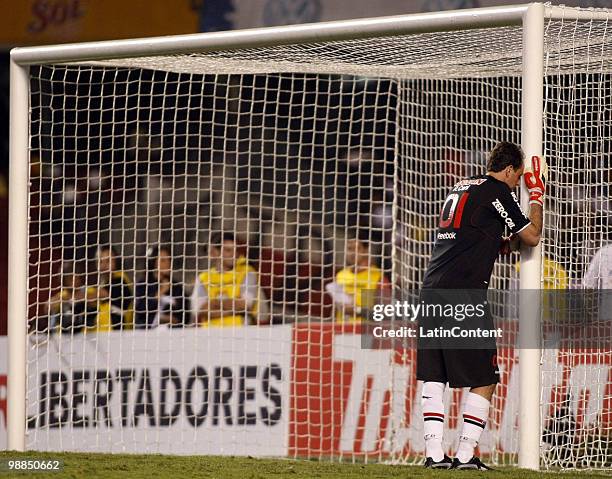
(476, 369)
(475, 415)
(432, 403)
(430, 370)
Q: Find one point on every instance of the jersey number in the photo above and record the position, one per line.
(452, 211)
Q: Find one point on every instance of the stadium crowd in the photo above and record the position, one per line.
(167, 173)
(228, 293)
(238, 264)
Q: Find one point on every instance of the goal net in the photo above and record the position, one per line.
(194, 219)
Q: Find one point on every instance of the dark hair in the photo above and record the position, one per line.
(503, 155)
(217, 239)
(107, 247)
(74, 269)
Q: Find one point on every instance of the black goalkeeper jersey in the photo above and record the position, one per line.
(470, 230)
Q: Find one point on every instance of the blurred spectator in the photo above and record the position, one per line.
(358, 177)
(67, 309)
(598, 276)
(112, 296)
(277, 265)
(554, 275)
(599, 272)
(228, 293)
(315, 267)
(361, 275)
(554, 304)
(160, 301)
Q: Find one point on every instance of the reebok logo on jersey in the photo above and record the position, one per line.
(442, 236)
(503, 213)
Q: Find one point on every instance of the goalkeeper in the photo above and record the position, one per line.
(468, 240)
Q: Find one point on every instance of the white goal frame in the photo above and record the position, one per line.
(530, 16)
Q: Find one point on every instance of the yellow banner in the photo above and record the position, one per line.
(35, 22)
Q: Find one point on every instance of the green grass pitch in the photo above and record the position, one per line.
(81, 465)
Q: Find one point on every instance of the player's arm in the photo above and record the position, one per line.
(199, 302)
(219, 307)
(531, 235)
(212, 308)
(222, 306)
(535, 178)
(249, 290)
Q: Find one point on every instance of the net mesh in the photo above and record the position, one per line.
(576, 393)
(447, 128)
(295, 150)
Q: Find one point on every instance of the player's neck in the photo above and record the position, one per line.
(499, 176)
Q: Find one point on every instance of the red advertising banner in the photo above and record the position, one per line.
(351, 401)
(303, 390)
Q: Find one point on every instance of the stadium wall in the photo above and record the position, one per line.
(292, 390)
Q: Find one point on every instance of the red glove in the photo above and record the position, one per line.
(535, 179)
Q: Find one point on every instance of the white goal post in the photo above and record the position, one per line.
(303, 49)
